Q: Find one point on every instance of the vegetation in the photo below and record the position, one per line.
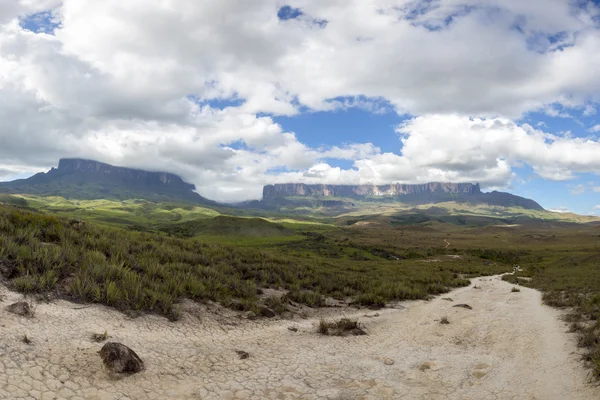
(166, 252)
(342, 327)
(141, 271)
(100, 337)
(26, 339)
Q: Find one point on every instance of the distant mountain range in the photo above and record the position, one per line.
(428, 193)
(87, 179)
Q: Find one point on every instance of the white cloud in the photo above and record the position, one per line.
(577, 189)
(118, 81)
(560, 210)
(589, 110)
(246, 50)
(597, 207)
(595, 128)
(461, 144)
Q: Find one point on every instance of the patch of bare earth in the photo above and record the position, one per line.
(508, 346)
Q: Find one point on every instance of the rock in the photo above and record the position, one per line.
(243, 354)
(267, 312)
(20, 308)
(447, 299)
(419, 193)
(249, 315)
(468, 307)
(120, 359)
(293, 329)
(388, 361)
(8, 269)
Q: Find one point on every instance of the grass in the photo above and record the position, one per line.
(342, 327)
(100, 337)
(26, 339)
(137, 267)
(275, 303)
(150, 272)
(515, 289)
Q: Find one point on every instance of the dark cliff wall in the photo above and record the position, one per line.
(428, 193)
(77, 178)
(358, 191)
(125, 175)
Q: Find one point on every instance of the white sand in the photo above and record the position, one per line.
(509, 346)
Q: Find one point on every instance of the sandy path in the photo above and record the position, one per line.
(508, 347)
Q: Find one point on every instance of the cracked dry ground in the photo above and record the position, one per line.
(508, 347)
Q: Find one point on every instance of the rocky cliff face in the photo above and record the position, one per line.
(303, 195)
(136, 176)
(358, 191)
(76, 178)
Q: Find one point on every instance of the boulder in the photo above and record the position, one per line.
(120, 359)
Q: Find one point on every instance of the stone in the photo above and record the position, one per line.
(120, 359)
(21, 308)
(388, 361)
(267, 312)
(468, 307)
(243, 354)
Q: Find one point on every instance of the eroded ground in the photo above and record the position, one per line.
(508, 346)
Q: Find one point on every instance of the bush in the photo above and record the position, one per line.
(342, 327)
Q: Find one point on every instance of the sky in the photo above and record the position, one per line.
(234, 95)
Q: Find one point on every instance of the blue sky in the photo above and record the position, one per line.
(309, 91)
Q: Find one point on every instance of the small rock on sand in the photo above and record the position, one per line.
(243, 354)
(120, 359)
(267, 312)
(388, 361)
(468, 307)
(20, 308)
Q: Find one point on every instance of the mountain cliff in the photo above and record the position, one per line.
(87, 179)
(360, 191)
(428, 193)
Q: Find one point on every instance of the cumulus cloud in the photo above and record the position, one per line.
(560, 210)
(127, 82)
(577, 189)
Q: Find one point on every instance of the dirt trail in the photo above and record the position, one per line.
(508, 347)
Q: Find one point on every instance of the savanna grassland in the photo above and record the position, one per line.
(138, 256)
(147, 271)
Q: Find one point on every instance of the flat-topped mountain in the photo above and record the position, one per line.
(87, 179)
(428, 193)
(359, 191)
